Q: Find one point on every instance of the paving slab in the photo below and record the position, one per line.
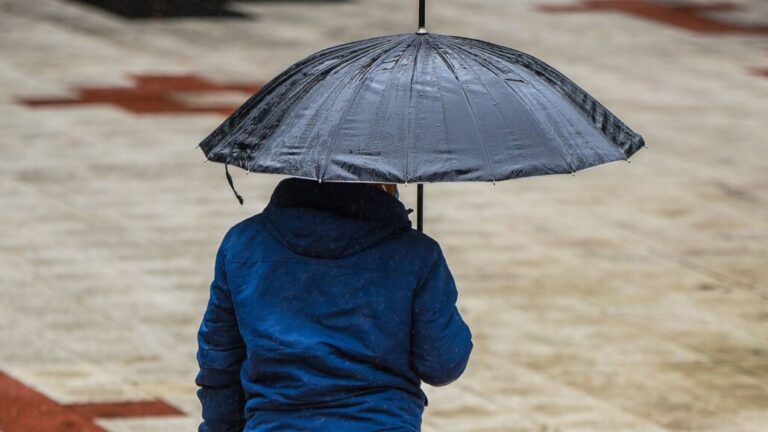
(630, 297)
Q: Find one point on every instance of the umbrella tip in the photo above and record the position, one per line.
(422, 31)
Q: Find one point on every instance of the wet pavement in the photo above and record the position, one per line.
(629, 297)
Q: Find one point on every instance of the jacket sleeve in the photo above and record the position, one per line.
(440, 340)
(220, 355)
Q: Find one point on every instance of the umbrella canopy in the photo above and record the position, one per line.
(417, 108)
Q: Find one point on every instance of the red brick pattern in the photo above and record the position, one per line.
(23, 409)
(150, 94)
(690, 16)
(124, 409)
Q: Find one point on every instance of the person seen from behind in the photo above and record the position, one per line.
(327, 311)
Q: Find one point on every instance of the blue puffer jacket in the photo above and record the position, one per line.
(326, 312)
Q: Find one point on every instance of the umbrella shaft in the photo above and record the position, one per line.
(420, 207)
(422, 13)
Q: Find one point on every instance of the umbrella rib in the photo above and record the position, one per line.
(266, 92)
(577, 95)
(471, 111)
(381, 105)
(320, 75)
(322, 113)
(303, 88)
(336, 131)
(459, 49)
(442, 103)
(571, 168)
(275, 83)
(410, 106)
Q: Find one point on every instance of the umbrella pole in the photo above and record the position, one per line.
(422, 14)
(420, 207)
(420, 186)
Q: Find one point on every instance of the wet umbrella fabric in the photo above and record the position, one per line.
(418, 108)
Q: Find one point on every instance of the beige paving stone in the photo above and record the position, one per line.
(156, 424)
(72, 382)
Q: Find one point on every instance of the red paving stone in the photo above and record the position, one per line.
(150, 94)
(154, 408)
(689, 16)
(23, 409)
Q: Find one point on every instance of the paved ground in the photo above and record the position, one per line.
(627, 298)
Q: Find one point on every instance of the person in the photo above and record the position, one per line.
(326, 312)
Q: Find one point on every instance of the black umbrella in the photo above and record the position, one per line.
(420, 108)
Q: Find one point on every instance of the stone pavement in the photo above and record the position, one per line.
(627, 298)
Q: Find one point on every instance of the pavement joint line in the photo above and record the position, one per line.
(712, 359)
(543, 376)
(569, 256)
(468, 389)
(98, 216)
(682, 261)
(673, 257)
(750, 332)
(151, 337)
(691, 264)
(547, 373)
(75, 359)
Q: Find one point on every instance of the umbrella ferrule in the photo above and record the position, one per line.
(422, 31)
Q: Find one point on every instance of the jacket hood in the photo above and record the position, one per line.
(332, 220)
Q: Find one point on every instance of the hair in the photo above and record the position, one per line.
(389, 188)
